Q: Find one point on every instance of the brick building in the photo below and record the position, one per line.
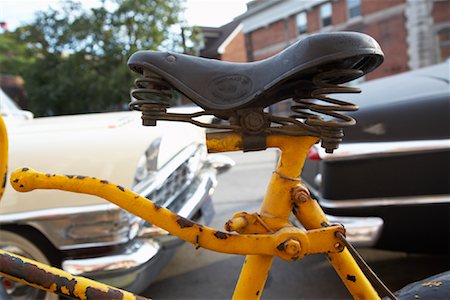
(412, 33)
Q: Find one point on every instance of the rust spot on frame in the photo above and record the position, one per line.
(200, 228)
(16, 180)
(81, 177)
(93, 293)
(70, 176)
(33, 274)
(257, 293)
(184, 223)
(25, 169)
(48, 175)
(157, 207)
(120, 188)
(21, 186)
(104, 181)
(221, 235)
(351, 278)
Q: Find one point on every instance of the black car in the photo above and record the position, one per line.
(389, 181)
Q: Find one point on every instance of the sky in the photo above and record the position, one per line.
(212, 13)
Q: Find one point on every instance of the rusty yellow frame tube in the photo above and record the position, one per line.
(278, 202)
(54, 280)
(3, 156)
(261, 248)
(26, 179)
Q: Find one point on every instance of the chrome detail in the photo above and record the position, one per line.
(65, 227)
(148, 163)
(318, 180)
(165, 185)
(371, 202)
(360, 231)
(361, 150)
(197, 196)
(59, 212)
(221, 163)
(137, 254)
(89, 229)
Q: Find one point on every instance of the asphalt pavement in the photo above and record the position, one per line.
(201, 274)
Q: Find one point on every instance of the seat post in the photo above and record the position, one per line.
(277, 201)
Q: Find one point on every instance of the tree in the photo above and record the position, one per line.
(74, 60)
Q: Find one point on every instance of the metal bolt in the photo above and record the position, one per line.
(171, 58)
(301, 194)
(236, 224)
(292, 247)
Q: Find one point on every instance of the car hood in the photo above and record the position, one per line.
(409, 106)
(106, 145)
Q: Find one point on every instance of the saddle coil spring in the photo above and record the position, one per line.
(314, 112)
(316, 105)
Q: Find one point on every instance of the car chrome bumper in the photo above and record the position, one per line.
(143, 258)
(360, 231)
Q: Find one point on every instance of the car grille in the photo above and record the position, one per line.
(173, 186)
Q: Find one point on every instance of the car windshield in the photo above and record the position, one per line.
(7, 106)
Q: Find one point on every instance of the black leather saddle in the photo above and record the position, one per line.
(219, 85)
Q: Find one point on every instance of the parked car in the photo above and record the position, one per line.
(86, 235)
(391, 174)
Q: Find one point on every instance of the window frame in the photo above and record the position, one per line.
(322, 17)
(356, 5)
(297, 17)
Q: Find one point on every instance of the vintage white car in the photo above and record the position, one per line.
(86, 235)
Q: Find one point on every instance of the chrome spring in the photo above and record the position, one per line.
(152, 96)
(318, 105)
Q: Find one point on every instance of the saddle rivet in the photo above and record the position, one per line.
(171, 58)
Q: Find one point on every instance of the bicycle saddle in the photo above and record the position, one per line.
(219, 85)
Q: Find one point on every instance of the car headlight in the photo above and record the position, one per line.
(147, 164)
(196, 161)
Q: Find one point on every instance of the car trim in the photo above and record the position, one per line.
(134, 257)
(54, 213)
(398, 201)
(363, 150)
(372, 202)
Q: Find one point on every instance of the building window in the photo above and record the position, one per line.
(325, 14)
(354, 8)
(302, 23)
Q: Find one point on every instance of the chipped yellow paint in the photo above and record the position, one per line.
(223, 141)
(277, 203)
(26, 179)
(3, 156)
(37, 274)
(274, 234)
(311, 215)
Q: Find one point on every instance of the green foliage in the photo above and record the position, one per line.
(74, 60)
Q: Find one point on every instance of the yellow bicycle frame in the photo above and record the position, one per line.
(260, 236)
